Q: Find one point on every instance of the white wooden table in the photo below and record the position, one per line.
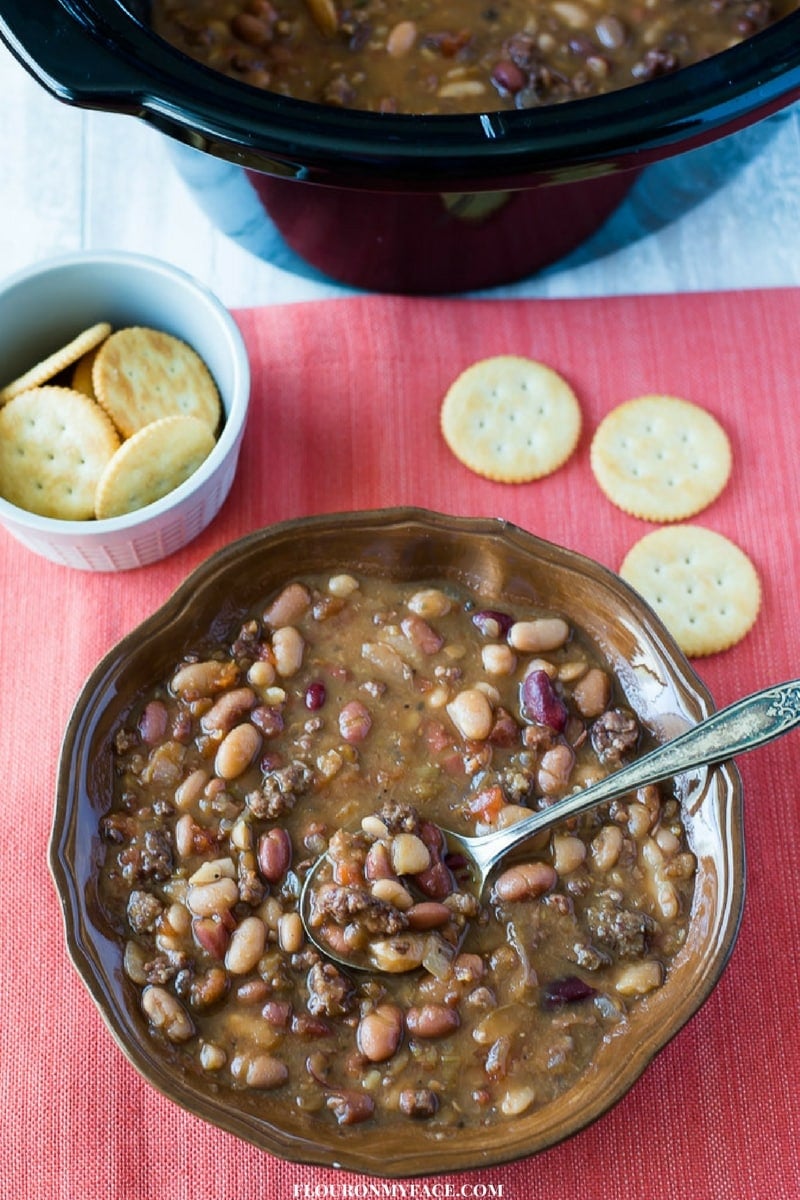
(76, 180)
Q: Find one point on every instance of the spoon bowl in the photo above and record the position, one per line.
(744, 725)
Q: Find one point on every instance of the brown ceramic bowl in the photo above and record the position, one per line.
(487, 555)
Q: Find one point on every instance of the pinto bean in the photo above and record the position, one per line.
(428, 914)
(288, 606)
(188, 792)
(555, 770)
(350, 1107)
(379, 1032)
(401, 38)
(204, 679)
(592, 694)
(421, 634)
(432, 1020)
(355, 721)
(266, 1072)
(569, 853)
(607, 847)
(228, 710)
(525, 881)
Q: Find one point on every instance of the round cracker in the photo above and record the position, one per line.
(81, 379)
(141, 375)
(55, 444)
(151, 463)
(55, 363)
(705, 589)
(511, 419)
(660, 458)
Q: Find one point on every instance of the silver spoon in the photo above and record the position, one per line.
(744, 725)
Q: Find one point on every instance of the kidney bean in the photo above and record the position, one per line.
(568, 990)
(153, 722)
(436, 882)
(541, 703)
(379, 1032)
(525, 881)
(274, 854)
(315, 696)
(212, 936)
(508, 77)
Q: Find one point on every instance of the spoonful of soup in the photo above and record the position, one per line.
(399, 892)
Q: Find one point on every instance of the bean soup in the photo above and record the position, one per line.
(357, 716)
(470, 56)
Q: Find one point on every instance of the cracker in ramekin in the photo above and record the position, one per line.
(57, 362)
(55, 444)
(152, 462)
(141, 375)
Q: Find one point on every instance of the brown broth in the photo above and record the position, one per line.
(340, 699)
(420, 56)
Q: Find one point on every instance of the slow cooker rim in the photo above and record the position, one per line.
(194, 102)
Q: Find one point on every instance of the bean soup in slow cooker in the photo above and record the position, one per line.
(427, 56)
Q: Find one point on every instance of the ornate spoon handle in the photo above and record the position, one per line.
(742, 726)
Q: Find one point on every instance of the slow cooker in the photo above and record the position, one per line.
(406, 203)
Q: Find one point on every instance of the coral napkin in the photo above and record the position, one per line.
(345, 415)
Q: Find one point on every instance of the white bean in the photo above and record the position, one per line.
(166, 1013)
(247, 946)
(211, 898)
(236, 751)
(288, 647)
(471, 713)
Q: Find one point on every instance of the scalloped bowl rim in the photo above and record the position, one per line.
(719, 790)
